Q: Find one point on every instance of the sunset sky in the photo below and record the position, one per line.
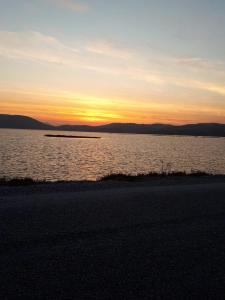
(102, 61)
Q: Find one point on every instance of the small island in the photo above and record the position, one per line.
(71, 136)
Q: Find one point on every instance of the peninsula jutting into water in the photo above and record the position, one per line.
(71, 136)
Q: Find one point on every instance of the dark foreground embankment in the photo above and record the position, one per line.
(132, 242)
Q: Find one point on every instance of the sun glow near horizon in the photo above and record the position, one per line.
(71, 108)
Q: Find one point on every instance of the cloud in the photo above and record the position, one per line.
(33, 46)
(211, 87)
(111, 59)
(108, 48)
(75, 5)
(199, 63)
(195, 62)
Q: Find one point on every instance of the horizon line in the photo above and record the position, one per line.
(120, 123)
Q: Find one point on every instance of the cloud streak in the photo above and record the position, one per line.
(105, 57)
(75, 5)
(107, 48)
(33, 46)
(199, 63)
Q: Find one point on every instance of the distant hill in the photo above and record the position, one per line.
(22, 122)
(202, 129)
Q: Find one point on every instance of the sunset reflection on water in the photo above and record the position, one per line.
(27, 153)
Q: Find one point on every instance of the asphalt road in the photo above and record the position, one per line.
(165, 242)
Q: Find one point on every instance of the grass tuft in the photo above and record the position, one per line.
(129, 177)
(19, 181)
(26, 181)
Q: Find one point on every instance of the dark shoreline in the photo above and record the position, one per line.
(124, 133)
(23, 181)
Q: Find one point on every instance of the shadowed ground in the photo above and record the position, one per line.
(131, 242)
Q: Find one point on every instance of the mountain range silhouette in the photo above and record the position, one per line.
(200, 129)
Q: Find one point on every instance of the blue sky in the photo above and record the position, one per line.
(102, 61)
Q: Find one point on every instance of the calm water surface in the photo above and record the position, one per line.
(28, 153)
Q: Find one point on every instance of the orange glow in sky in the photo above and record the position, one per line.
(70, 109)
(76, 67)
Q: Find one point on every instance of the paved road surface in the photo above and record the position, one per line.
(126, 243)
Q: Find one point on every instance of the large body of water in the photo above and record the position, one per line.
(28, 153)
